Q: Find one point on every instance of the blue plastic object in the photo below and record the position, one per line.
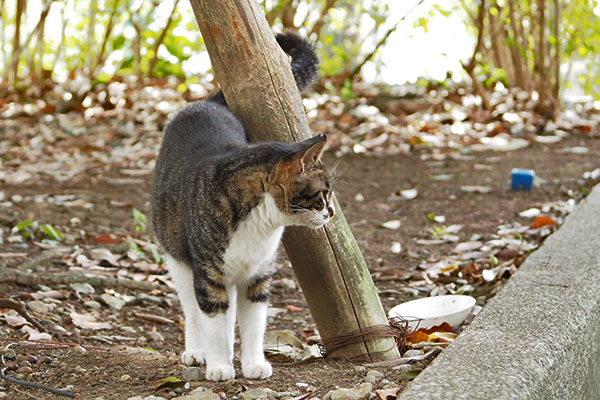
(522, 179)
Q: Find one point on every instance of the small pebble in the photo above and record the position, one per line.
(357, 393)
(371, 379)
(192, 374)
(360, 369)
(203, 395)
(32, 359)
(44, 360)
(256, 394)
(10, 354)
(412, 353)
(93, 304)
(288, 283)
(376, 374)
(125, 378)
(80, 369)
(12, 366)
(402, 368)
(156, 336)
(24, 370)
(25, 363)
(38, 306)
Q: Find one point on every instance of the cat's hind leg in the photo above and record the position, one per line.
(182, 276)
(252, 303)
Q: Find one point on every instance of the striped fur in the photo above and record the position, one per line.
(219, 207)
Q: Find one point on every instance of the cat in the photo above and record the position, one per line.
(219, 206)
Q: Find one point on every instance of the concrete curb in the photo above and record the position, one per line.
(539, 337)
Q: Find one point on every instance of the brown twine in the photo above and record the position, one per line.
(397, 328)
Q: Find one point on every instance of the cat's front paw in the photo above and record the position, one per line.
(258, 370)
(219, 372)
(193, 357)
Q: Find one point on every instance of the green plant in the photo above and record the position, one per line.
(139, 220)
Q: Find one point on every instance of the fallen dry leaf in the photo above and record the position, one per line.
(388, 394)
(417, 337)
(543, 221)
(88, 321)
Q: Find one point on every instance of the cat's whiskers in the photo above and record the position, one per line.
(333, 172)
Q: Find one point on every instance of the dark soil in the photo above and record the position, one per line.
(108, 370)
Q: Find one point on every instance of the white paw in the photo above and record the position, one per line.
(257, 370)
(192, 357)
(219, 372)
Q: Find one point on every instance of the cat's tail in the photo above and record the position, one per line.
(305, 62)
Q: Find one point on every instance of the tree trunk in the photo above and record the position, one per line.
(494, 29)
(89, 60)
(545, 104)
(556, 58)
(523, 38)
(160, 40)
(316, 29)
(16, 48)
(61, 44)
(514, 48)
(2, 35)
(109, 27)
(257, 82)
(470, 67)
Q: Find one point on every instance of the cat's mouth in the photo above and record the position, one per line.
(314, 218)
(322, 217)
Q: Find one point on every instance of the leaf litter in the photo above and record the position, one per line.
(116, 149)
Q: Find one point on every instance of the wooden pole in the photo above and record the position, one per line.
(256, 79)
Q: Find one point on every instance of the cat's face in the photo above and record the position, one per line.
(302, 189)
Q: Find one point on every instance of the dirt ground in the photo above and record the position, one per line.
(98, 363)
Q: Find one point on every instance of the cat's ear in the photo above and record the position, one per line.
(310, 153)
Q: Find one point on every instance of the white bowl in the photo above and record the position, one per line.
(433, 311)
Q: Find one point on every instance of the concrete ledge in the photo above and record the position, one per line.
(539, 337)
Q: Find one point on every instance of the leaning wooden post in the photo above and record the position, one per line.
(256, 78)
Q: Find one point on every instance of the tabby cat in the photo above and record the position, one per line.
(219, 207)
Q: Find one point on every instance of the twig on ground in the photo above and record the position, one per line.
(41, 258)
(154, 318)
(65, 278)
(20, 308)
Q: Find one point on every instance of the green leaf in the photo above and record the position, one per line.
(171, 382)
(139, 220)
(51, 232)
(24, 224)
(118, 42)
(412, 374)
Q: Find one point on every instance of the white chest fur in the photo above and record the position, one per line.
(253, 245)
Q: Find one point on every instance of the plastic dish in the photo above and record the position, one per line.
(433, 311)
